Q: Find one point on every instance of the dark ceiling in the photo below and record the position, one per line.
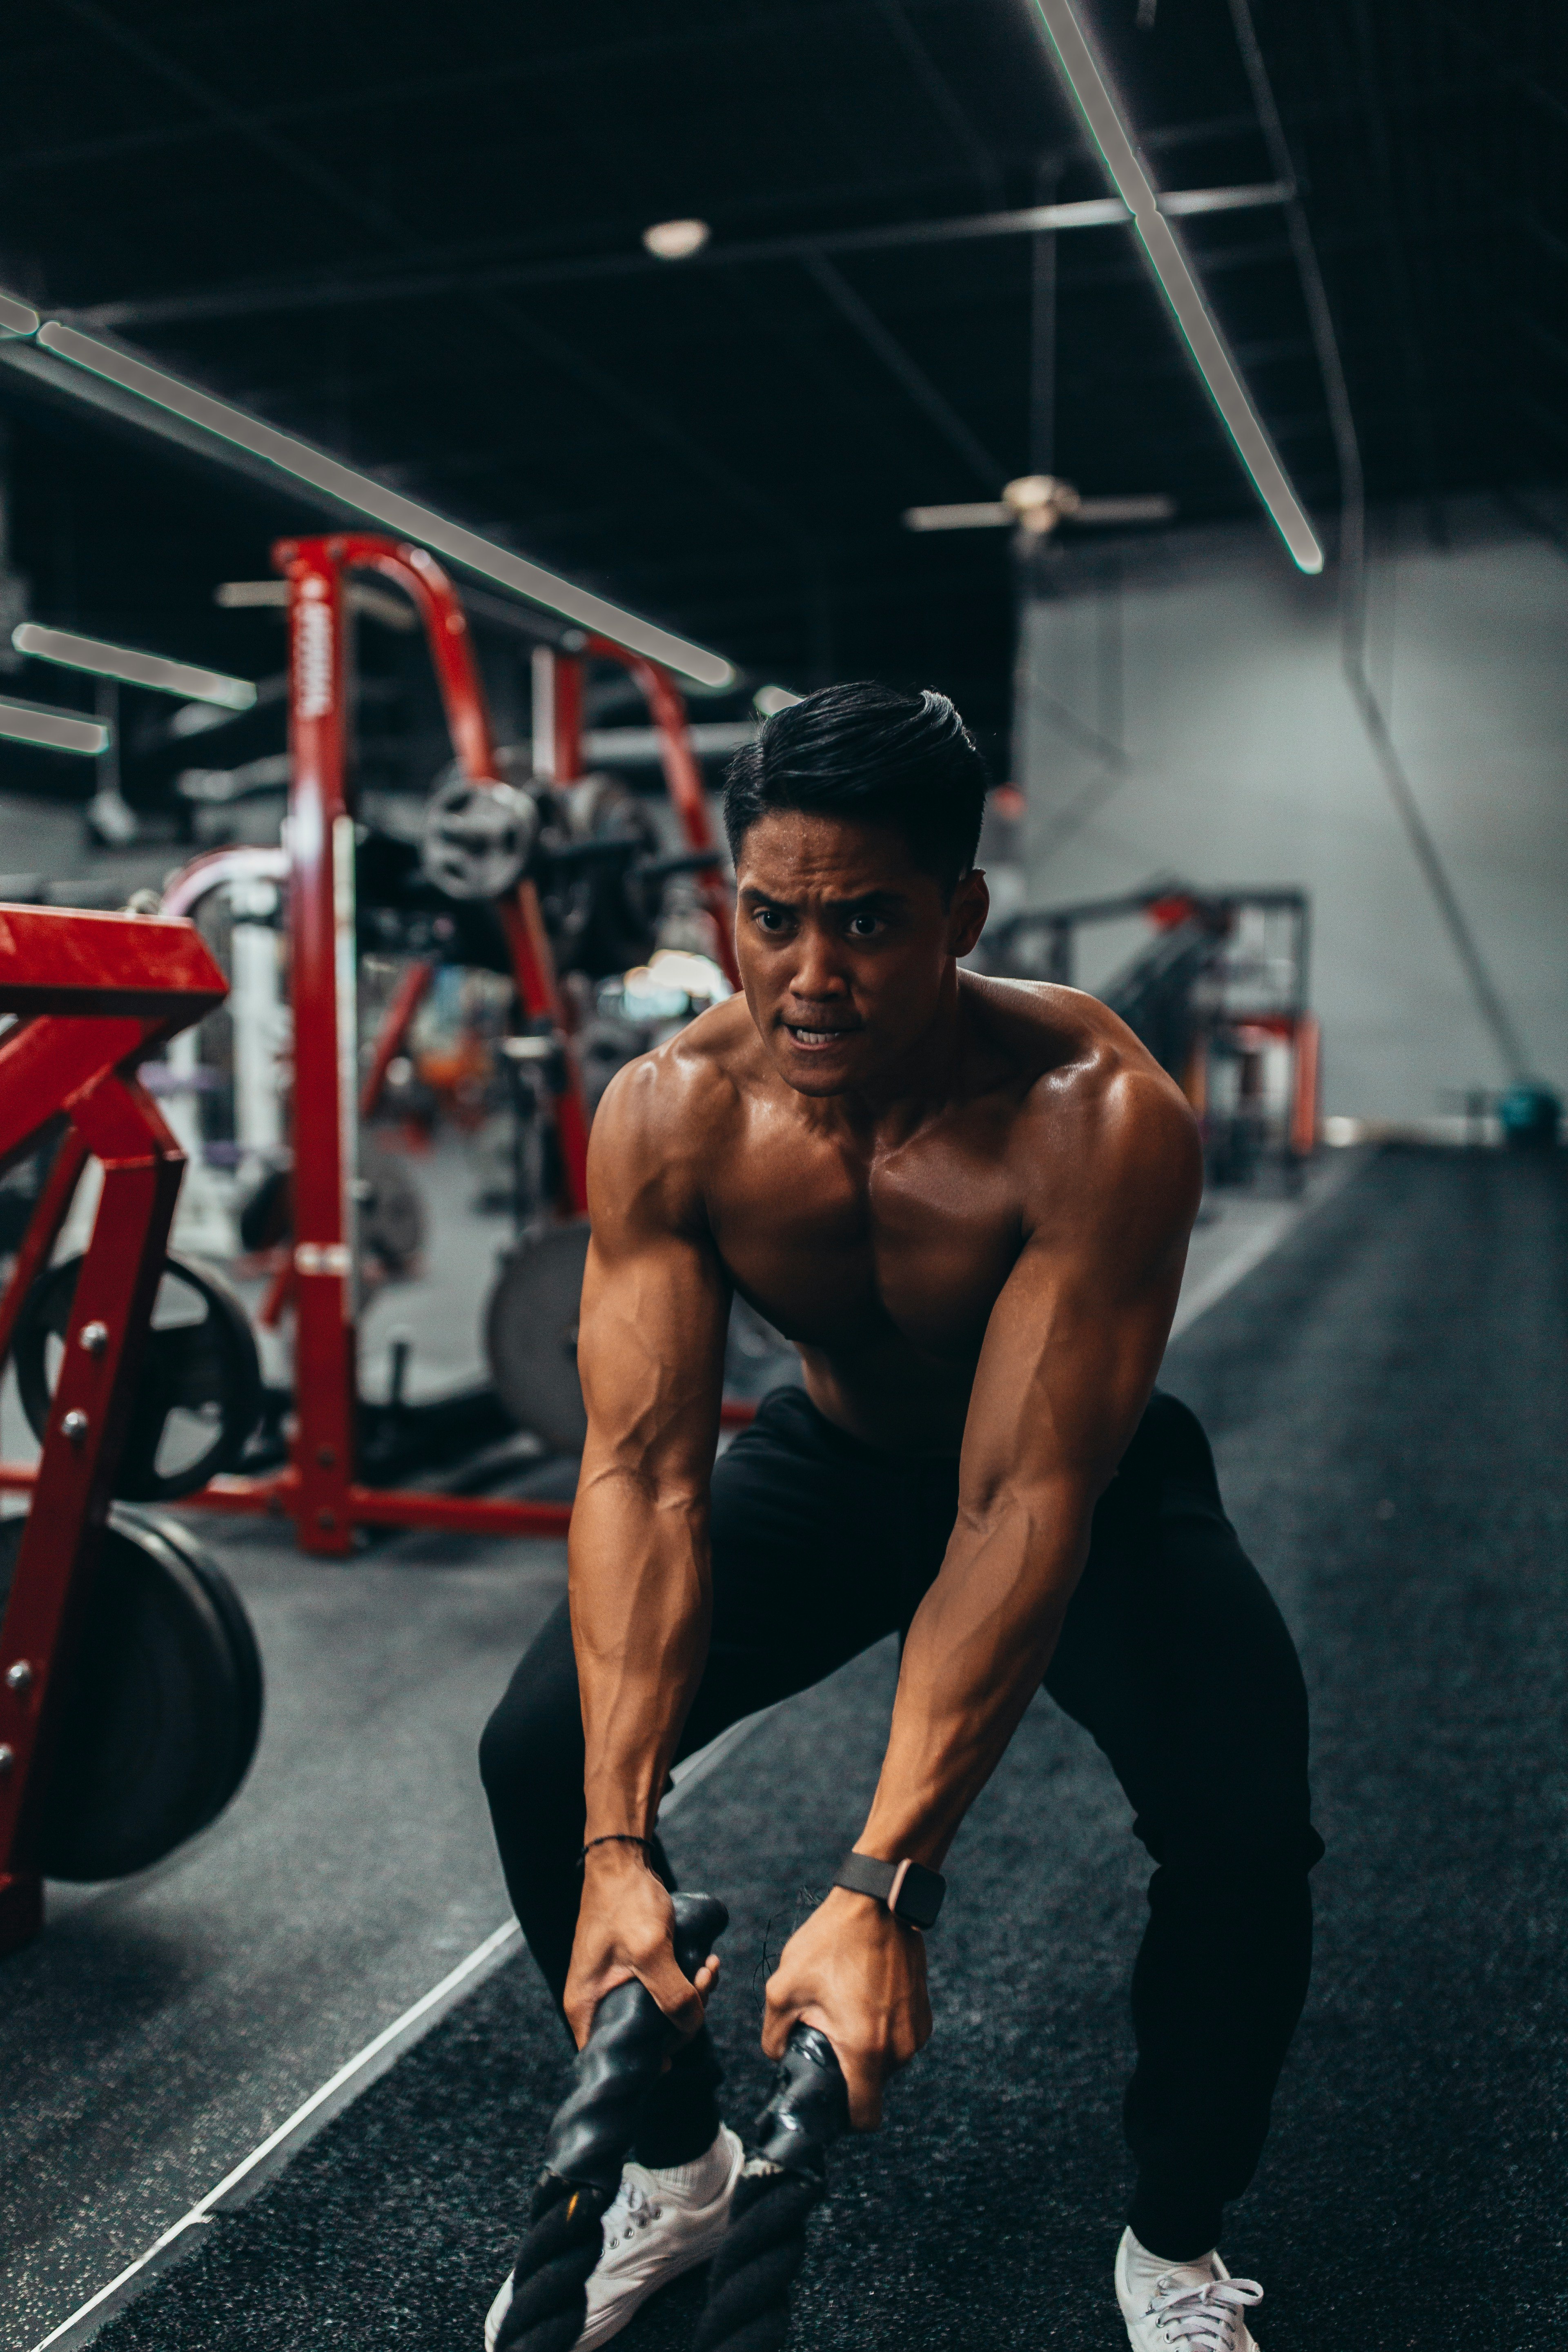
(412, 235)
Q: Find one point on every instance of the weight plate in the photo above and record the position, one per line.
(161, 1709)
(475, 838)
(198, 1392)
(230, 1608)
(531, 1334)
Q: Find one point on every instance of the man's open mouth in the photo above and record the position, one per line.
(817, 1037)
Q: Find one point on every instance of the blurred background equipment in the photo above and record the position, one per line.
(1218, 996)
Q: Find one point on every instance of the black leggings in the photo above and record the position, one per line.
(1173, 1655)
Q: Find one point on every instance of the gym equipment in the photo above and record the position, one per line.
(160, 1707)
(1530, 1117)
(1223, 980)
(392, 1219)
(199, 1394)
(476, 835)
(780, 2188)
(319, 1489)
(93, 995)
(531, 1334)
(593, 2127)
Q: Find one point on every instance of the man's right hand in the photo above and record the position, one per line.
(625, 1929)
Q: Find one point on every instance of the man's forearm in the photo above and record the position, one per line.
(640, 1617)
(977, 1652)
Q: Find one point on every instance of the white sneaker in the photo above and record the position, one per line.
(1189, 2307)
(658, 2225)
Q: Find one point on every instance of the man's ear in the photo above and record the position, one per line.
(966, 916)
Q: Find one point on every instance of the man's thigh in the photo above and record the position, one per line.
(1174, 1655)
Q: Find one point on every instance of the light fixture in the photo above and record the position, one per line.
(676, 240)
(16, 317)
(366, 496)
(768, 700)
(1086, 80)
(131, 667)
(56, 731)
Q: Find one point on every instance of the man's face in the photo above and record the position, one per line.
(844, 947)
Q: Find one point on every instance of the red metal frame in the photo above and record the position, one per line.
(94, 993)
(317, 1490)
(682, 778)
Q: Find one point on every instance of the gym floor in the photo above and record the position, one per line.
(1387, 1390)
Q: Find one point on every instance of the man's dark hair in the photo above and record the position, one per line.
(871, 752)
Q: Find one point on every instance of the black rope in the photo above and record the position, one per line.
(761, 2253)
(593, 2130)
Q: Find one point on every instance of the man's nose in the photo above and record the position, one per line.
(818, 971)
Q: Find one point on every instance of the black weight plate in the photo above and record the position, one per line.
(160, 1712)
(243, 1651)
(531, 1334)
(198, 1390)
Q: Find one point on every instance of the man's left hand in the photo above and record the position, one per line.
(860, 1975)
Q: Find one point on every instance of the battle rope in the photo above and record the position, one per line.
(593, 2127)
(782, 2184)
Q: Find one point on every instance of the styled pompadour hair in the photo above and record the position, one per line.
(874, 753)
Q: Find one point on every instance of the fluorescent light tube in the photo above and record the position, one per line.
(16, 317)
(131, 667)
(57, 730)
(308, 464)
(1080, 69)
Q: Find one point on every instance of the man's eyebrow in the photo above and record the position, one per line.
(863, 899)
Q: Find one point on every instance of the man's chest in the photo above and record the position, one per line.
(835, 1246)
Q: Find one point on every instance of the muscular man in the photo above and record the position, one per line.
(967, 1201)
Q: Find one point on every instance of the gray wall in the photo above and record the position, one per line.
(1180, 712)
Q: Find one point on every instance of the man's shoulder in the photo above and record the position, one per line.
(1092, 1099)
(679, 1097)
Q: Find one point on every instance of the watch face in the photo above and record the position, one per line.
(919, 1899)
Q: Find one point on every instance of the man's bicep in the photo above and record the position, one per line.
(1076, 1336)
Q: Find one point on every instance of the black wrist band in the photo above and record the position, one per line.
(615, 1837)
(910, 1892)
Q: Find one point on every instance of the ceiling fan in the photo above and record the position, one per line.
(1034, 504)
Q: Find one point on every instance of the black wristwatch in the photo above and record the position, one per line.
(912, 1892)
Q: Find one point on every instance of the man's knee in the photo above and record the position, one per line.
(1236, 1836)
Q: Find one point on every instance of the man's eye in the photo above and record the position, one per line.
(768, 919)
(864, 927)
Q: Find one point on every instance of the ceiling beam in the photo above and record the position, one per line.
(431, 283)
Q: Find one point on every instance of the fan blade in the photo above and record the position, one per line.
(1155, 507)
(986, 514)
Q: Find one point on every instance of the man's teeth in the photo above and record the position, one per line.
(818, 1036)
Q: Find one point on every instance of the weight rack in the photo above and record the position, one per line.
(317, 1489)
(92, 996)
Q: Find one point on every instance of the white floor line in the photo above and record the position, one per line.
(355, 2075)
(333, 2095)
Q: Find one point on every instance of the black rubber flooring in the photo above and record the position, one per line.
(1388, 1396)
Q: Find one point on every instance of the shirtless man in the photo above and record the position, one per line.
(967, 1201)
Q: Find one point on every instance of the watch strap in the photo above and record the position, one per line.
(910, 1892)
